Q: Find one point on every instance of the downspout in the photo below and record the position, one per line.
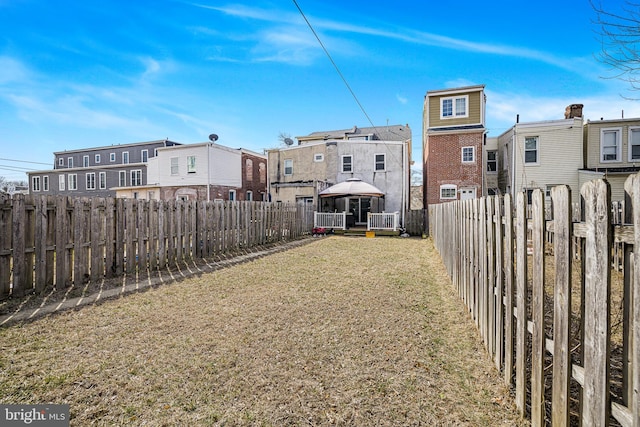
(208, 172)
(405, 176)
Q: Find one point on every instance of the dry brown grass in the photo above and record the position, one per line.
(342, 331)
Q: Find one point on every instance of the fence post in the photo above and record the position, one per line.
(521, 300)
(537, 310)
(562, 238)
(597, 260)
(508, 289)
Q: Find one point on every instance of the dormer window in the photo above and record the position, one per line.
(454, 107)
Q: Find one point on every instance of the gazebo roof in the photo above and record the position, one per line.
(351, 187)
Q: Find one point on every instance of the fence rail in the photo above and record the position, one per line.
(337, 220)
(383, 221)
(546, 321)
(51, 242)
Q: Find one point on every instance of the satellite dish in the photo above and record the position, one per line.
(288, 141)
(213, 137)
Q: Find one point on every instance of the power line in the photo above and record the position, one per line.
(25, 161)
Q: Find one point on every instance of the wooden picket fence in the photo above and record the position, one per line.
(566, 366)
(51, 242)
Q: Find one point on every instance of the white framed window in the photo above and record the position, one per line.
(112, 157)
(102, 178)
(468, 154)
(85, 161)
(125, 157)
(91, 181)
(174, 166)
(73, 181)
(346, 163)
(70, 162)
(35, 183)
(136, 177)
(249, 195)
(634, 144)
(380, 162)
(45, 183)
(492, 161)
(531, 150)
(318, 157)
(288, 167)
(454, 107)
(191, 164)
(97, 158)
(610, 146)
(144, 155)
(448, 192)
(232, 195)
(122, 178)
(548, 189)
(60, 161)
(61, 183)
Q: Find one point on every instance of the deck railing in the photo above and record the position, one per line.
(335, 220)
(383, 221)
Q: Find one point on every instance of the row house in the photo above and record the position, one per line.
(95, 172)
(379, 156)
(203, 171)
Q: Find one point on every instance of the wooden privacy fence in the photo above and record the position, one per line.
(546, 318)
(49, 241)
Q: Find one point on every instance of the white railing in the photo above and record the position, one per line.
(383, 221)
(335, 220)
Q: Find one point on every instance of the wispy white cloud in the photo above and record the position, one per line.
(12, 70)
(401, 99)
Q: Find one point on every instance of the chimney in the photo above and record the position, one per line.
(573, 111)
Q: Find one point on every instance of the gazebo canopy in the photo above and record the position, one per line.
(351, 187)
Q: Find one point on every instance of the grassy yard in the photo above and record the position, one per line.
(341, 331)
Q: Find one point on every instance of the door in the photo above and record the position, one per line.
(467, 193)
(359, 208)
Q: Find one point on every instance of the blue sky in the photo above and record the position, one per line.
(77, 74)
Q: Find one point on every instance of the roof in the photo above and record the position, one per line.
(379, 133)
(166, 143)
(351, 187)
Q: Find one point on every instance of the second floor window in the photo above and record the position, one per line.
(174, 166)
(35, 183)
(634, 145)
(492, 161)
(288, 167)
(91, 181)
(103, 180)
(468, 155)
(531, 149)
(125, 157)
(70, 162)
(61, 183)
(191, 164)
(380, 163)
(112, 157)
(610, 147)
(45, 183)
(97, 158)
(122, 178)
(453, 107)
(347, 163)
(85, 161)
(73, 181)
(248, 169)
(136, 177)
(262, 169)
(145, 156)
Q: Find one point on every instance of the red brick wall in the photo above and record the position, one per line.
(443, 164)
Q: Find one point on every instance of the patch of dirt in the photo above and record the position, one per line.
(341, 331)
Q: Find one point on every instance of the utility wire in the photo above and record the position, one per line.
(25, 161)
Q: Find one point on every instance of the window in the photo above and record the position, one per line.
(318, 157)
(35, 183)
(379, 162)
(288, 167)
(85, 161)
(97, 158)
(70, 162)
(347, 163)
(232, 195)
(45, 183)
(155, 152)
(448, 191)
(468, 154)
(61, 185)
(60, 161)
(136, 177)
(112, 157)
(73, 181)
(125, 157)
(191, 164)
(103, 180)
(548, 190)
(174, 166)
(610, 147)
(249, 196)
(248, 169)
(531, 149)
(122, 178)
(144, 155)
(634, 144)
(262, 169)
(492, 161)
(91, 181)
(454, 107)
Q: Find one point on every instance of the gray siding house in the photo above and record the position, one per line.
(96, 172)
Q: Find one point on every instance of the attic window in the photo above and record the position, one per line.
(454, 107)
(319, 157)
